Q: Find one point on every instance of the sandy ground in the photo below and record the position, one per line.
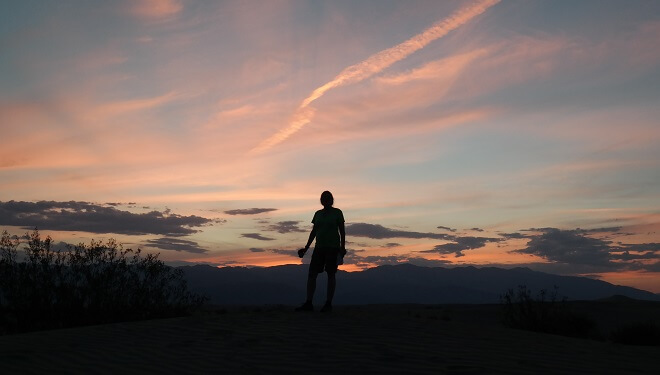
(366, 339)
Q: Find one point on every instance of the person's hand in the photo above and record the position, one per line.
(301, 252)
(342, 251)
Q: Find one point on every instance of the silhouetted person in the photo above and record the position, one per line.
(330, 245)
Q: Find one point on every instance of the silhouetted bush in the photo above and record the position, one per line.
(546, 313)
(85, 284)
(641, 333)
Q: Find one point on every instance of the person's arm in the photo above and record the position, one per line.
(312, 235)
(342, 234)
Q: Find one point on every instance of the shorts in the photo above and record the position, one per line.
(324, 259)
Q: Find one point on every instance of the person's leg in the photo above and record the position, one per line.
(332, 283)
(331, 270)
(311, 285)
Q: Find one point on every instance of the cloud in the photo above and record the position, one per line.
(293, 253)
(443, 71)
(514, 235)
(627, 256)
(460, 244)
(380, 232)
(574, 251)
(156, 9)
(578, 230)
(377, 260)
(569, 246)
(286, 227)
(352, 257)
(477, 229)
(256, 236)
(249, 211)
(93, 218)
(375, 64)
(177, 244)
(642, 246)
(118, 108)
(447, 228)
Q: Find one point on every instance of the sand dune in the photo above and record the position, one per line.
(353, 339)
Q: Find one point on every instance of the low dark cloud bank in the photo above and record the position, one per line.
(94, 218)
(515, 235)
(286, 227)
(249, 211)
(460, 244)
(176, 244)
(380, 232)
(292, 253)
(256, 236)
(457, 246)
(576, 248)
(568, 246)
(354, 257)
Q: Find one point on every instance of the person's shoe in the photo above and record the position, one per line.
(307, 306)
(327, 307)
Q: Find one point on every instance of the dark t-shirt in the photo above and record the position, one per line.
(327, 226)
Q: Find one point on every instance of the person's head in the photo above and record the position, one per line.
(327, 199)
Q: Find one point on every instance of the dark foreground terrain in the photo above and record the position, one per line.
(352, 339)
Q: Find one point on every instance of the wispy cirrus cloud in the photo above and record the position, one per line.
(373, 65)
(446, 69)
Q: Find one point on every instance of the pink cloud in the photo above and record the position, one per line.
(121, 107)
(156, 10)
(373, 65)
(446, 69)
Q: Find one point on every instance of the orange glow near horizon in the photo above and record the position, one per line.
(206, 131)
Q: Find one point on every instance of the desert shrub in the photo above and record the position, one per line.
(545, 313)
(85, 284)
(640, 333)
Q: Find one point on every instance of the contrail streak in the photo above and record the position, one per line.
(375, 64)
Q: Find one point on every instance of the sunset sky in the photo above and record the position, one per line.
(476, 132)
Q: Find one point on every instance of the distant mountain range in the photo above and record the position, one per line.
(404, 283)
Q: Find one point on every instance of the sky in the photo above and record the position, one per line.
(451, 133)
